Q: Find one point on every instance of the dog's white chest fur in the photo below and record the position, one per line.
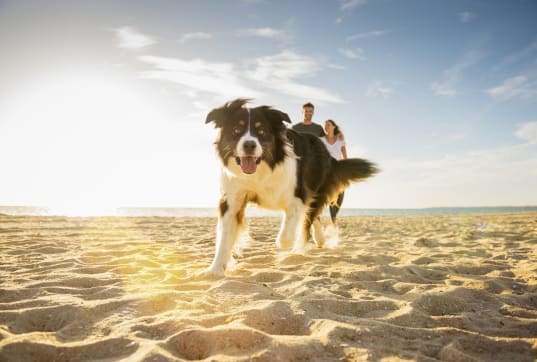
(271, 188)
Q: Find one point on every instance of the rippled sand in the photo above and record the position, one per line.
(427, 288)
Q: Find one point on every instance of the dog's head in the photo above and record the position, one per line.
(249, 136)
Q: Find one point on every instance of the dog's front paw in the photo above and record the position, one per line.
(319, 241)
(284, 244)
(206, 274)
(213, 272)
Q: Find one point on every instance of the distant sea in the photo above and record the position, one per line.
(256, 212)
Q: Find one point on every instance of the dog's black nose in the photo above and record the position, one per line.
(249, 147)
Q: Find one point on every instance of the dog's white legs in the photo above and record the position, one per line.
(292, 221)
(224, 245)
(318, 235)
(302, 240)
(287, 234)
(227, 233)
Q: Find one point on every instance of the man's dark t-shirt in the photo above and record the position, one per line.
(314, 129)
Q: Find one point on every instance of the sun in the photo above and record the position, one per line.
(87, 143)
(76, 138)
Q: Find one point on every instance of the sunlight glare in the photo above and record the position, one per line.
(81, 135)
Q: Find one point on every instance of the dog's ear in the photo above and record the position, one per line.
(274, 115)
(220, 114)
(284, 117)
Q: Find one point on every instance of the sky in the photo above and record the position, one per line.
(103, 103)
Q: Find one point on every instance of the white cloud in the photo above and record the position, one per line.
(280, 72)
(129, 38)
(261, 32)
(489, 177)
(444, 89)
(379, 89)
(522, 54)
(196, 36)
(199, 75)
(366, 35)
(335, 66)
(353, 54)
(285, 65)
(349, 4)
(528, 132)
(466, 16)
(519, 86)
(453, 75)
(501, 176)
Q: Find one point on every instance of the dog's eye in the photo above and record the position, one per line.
(237, 131)
(261, 132)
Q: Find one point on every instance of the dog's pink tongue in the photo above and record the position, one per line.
(248, 164)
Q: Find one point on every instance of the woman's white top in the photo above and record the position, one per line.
(335, 148)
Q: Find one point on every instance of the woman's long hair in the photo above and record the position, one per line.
(336, 127)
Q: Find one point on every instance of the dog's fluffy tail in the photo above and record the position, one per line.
(353, 170)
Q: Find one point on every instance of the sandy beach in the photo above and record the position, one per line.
(412, 288)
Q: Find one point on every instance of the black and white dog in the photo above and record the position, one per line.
(268, 164)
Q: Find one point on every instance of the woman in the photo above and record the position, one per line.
(335, 144)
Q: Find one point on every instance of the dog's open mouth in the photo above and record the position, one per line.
(248, 164)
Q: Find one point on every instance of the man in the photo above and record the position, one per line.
(307, 125)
